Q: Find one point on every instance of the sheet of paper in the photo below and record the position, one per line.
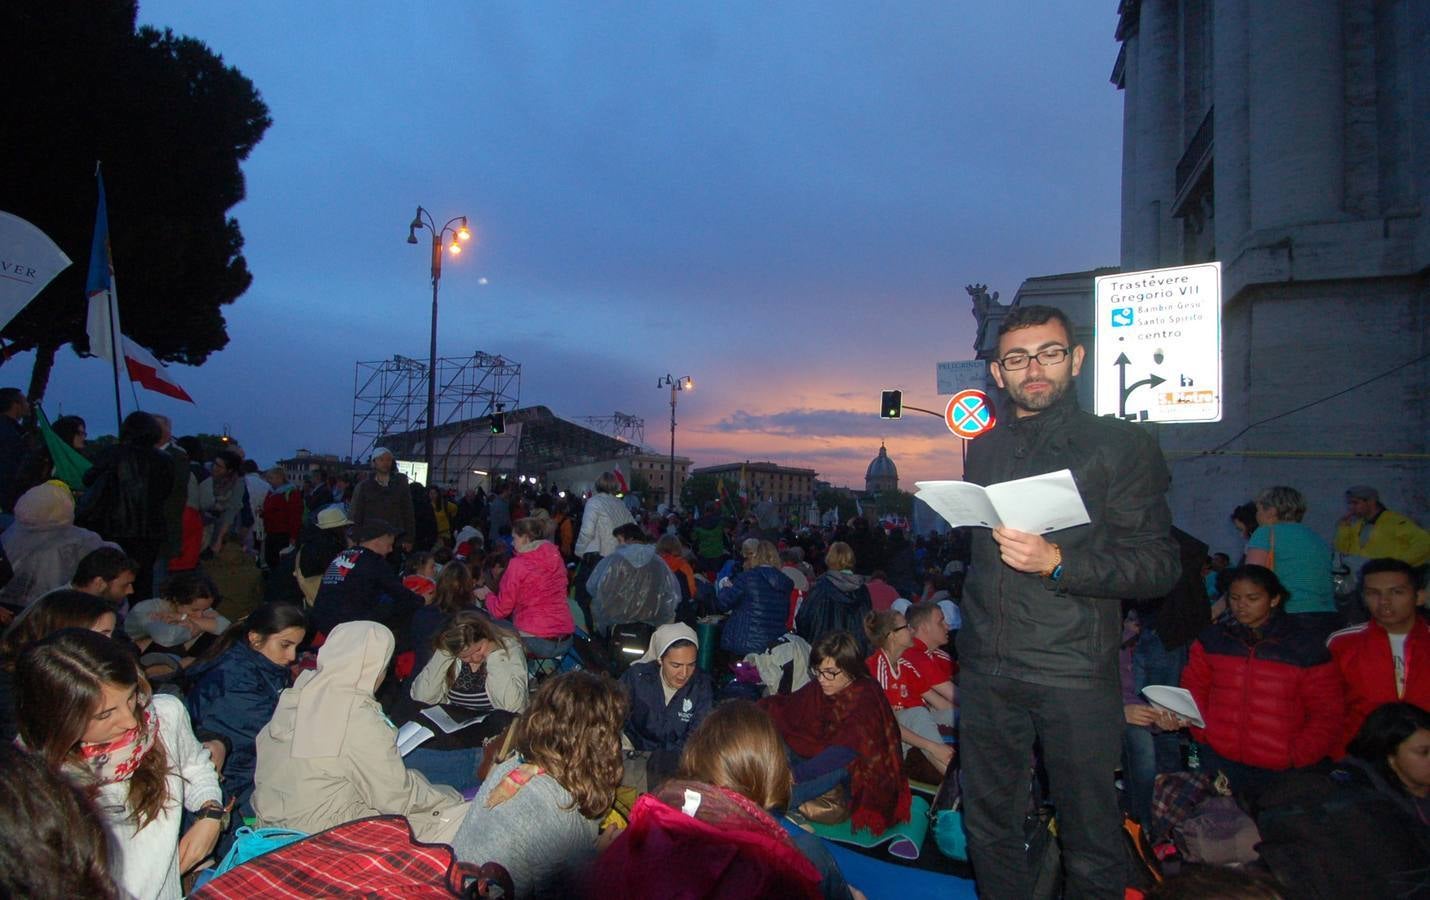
(443, 719)
(1040, 504)
(1176, 700)
(960, 503)
(411, 736)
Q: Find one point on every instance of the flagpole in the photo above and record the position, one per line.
(114, 347)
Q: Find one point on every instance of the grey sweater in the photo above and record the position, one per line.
(538, 835)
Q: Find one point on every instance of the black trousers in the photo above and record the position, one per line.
(1080, 730)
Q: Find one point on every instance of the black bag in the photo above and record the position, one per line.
(1045, 858)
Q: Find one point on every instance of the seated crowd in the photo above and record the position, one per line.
(447, 688)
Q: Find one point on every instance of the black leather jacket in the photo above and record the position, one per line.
(1066, 633)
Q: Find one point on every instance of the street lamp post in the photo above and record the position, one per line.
(683, 383)
(423, 219)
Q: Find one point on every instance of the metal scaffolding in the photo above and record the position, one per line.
(621, 426)
(390, 399)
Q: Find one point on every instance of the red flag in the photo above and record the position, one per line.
(148, 373)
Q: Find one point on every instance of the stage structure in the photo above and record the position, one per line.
(621, 426)
(473, 393)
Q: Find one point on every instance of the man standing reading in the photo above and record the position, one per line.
(1042, 617)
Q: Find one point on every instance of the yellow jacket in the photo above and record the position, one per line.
(1392, 535)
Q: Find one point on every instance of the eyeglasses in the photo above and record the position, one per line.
(1052, 356)
(825, 674)
(901, 627)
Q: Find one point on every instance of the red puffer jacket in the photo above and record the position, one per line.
(1367, 670)
(1274, 702)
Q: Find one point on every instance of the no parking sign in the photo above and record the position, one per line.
(969, 414)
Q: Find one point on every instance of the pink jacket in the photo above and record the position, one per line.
(533, 593)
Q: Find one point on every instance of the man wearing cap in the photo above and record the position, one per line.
(385, 495)
(1370, 530)
(359, 585)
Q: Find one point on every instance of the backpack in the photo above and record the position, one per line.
(375, 857)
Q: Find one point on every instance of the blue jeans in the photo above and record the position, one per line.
(1139, 771)
(819, 774)
(1153, 663)
(457, 768)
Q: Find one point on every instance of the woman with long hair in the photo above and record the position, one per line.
(53, 612)
(839, 729)
(84, 708)
(1393, 748)
(236, 687)
(454, 593)
(538, 812)
(329, 755)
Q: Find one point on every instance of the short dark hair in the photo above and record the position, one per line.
(249, 467)
(918, 613)
(66, 427)
(104, 562)
(631, 532)
(232, 461)
(1246, 515)
(9, 397)
(840, 648)
(1384, 730)
(186, 587)
(140, 430)
(1029, 316)
(1390, 564)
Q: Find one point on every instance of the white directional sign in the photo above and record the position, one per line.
(1158, 345)
(963, 375)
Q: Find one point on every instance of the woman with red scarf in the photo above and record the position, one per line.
(839, 727)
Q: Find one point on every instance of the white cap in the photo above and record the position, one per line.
(900, 606)
(952, 617)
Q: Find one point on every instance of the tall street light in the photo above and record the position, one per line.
(683, 383)
(453, 238)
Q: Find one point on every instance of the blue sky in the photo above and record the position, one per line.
(783, 200)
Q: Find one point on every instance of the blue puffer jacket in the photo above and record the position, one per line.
(654, 724)
(235, 696)
(759, 598)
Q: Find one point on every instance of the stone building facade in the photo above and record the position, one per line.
(1291, 141)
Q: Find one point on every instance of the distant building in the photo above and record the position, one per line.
(653, 467)
(791, 490)
(882, 475)
(304, 465)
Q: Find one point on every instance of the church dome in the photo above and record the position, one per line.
(882, 474)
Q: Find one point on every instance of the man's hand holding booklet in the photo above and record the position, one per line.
(1036, 505)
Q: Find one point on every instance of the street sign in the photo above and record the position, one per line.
(969, 414)
(964, 374)
(1157, 353)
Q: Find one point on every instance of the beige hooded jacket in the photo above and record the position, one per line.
(329, 755)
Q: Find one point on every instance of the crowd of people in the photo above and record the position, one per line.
(643, 703)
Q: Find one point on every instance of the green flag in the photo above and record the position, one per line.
(70, 465)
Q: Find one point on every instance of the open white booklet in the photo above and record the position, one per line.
(1175, 700)
(1037, 505)
(414, 734)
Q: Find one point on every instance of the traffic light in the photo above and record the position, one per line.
(893, 405)
(498, 423)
